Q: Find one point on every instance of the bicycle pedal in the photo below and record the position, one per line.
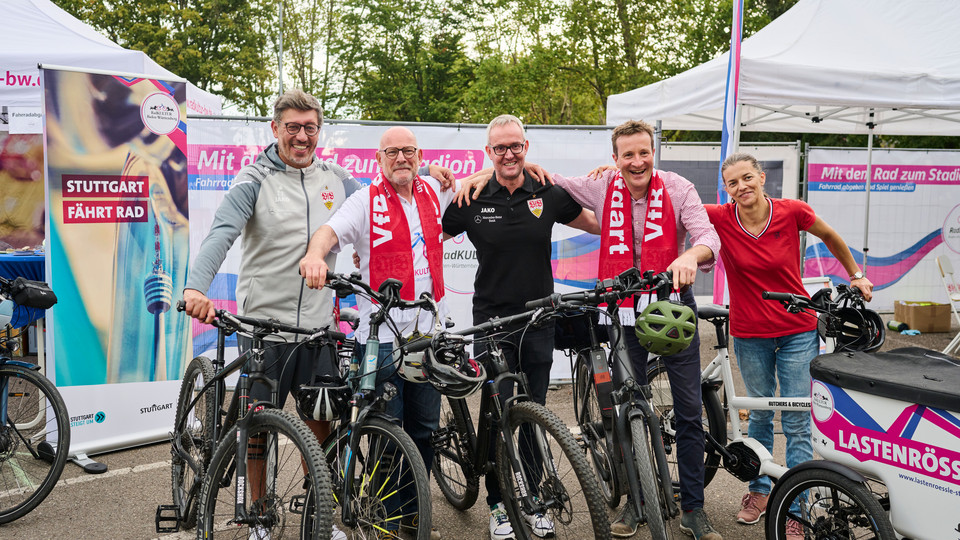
(168, 518)
(298, 504)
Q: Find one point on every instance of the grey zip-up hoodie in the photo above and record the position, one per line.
(277, 209)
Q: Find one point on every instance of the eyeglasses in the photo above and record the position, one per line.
(516, 148)
(408, 151)
(293, 128)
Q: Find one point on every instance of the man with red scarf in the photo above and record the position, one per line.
(645, 215)
(394, 225)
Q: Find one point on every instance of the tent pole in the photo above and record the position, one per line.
(280, 52)
(866, 218)
(736, 128)
(658, 132)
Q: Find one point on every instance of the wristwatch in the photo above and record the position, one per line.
(857, 275)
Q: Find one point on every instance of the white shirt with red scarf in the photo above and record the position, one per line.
(352, 225)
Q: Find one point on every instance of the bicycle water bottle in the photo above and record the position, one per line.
(368, 380)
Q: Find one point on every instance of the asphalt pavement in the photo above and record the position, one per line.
(121, 503)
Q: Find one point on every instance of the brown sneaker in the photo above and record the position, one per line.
(794, 530)
(752, 508)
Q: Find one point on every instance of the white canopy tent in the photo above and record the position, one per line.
(37, 31)
(825, 66)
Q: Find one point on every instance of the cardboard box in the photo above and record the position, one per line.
(923, 316)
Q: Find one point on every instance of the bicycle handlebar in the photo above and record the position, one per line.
(232, 322)
(628, 283)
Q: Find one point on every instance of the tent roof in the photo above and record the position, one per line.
(37, 31)
(823, 66)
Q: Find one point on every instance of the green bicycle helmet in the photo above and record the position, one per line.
(665, 327)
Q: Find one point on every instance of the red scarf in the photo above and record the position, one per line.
(659, 247)
(390, 244)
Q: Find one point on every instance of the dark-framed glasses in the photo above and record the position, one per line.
(392, 151)
(516, 148)
(293, 128)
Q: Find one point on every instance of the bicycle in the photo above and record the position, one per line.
(889, 440)
(276, 483)
(541, 471)
(745, 458)
(380, 482)
(619, 429)
(35, 432)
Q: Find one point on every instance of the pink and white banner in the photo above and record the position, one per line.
(914, 217)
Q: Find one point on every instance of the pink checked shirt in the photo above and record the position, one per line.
(690, 214)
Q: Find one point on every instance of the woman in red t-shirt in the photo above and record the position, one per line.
(760, 248)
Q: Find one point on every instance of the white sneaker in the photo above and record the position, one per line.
(338, 534)
(540, 524)
(259, 532)
(500, 528)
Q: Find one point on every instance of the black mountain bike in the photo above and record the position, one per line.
(35, 432)
(275, 484)
(380, 483)
(619, 429)
(541, 470)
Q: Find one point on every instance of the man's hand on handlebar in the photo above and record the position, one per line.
(198, 305)
(684, 270)
(314, 270)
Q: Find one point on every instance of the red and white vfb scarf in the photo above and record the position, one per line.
(659, 247)
(391, 255)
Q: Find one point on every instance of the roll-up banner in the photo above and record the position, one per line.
(914, 217)
(117, 246)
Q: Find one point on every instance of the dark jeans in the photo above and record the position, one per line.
(683, 370)
(532, 356)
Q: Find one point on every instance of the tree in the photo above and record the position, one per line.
(219, 45)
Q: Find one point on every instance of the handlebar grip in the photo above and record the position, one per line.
(547, 302)
(417, 346)
(781, 296)
(181, 305)
(334, 334)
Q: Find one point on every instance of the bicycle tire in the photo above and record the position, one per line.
(451, 452)
(387, 460)
(837, 508)
(593, 433)
(294, 505)
(714, 423)
(34, 441)
(195, 438)
(572, 499)
(649, 486)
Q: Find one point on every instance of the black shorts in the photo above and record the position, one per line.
(291, 365)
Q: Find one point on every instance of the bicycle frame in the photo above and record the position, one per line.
(631, 400)
(493, 413)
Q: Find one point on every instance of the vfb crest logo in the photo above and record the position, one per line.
(536, 207)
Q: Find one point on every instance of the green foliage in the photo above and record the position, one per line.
(219, 45)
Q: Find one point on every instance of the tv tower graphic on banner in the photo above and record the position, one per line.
(158, 293)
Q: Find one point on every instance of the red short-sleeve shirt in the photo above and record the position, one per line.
(768, 262)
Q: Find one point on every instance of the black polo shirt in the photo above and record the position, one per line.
(512, 235)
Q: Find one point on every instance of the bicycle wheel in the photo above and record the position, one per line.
(830, 506)
(452, 453)
(192, 428)
(646, 473)
(555, 471)
(592, 432)
(390, 485)
(34, 440)
(293, 497)
(714, 422)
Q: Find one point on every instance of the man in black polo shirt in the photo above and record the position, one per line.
(510, 225)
